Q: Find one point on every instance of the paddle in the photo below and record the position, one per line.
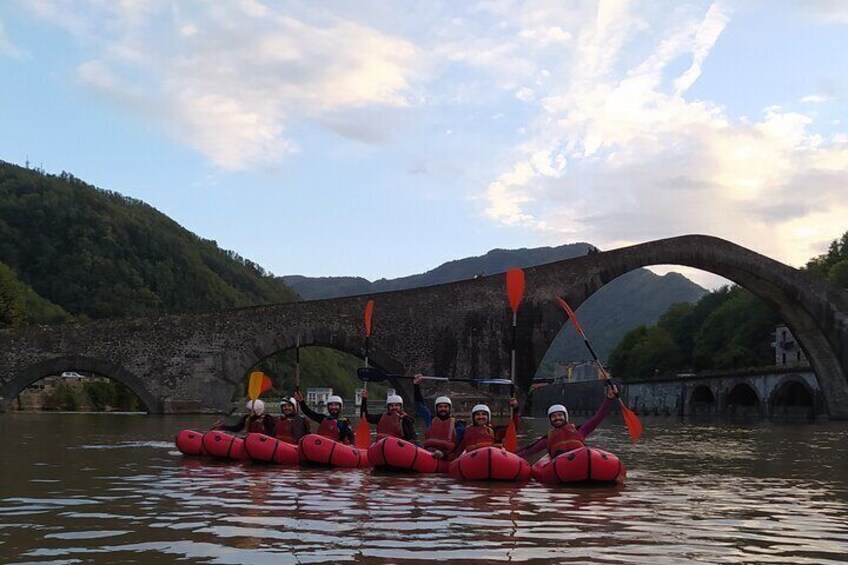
(374, 375)
(363, 430)
(514, 292)
(634, 426)
(297, 365)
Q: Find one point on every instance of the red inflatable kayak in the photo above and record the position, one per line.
(223, 445)
(582, 465)
(324, 451)
(490, 464)
(190, 442)
(267, 449)
(395, 453)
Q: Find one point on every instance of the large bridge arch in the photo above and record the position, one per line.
(815, 312)
(57, 365)
(192, 362)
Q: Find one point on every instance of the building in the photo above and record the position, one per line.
(316, 398)
(787, 351)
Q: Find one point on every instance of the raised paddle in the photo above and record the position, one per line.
(363, 430)
(374, 375)
(634, 426)
(514, 292)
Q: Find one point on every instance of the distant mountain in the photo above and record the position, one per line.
(96, 253)
(639, 297)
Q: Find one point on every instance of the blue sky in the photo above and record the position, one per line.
(381, 139)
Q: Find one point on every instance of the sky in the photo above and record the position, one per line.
(381, 139)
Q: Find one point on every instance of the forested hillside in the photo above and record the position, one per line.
(99, 254)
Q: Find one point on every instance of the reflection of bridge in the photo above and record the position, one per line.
(772, 393)
(194, 362)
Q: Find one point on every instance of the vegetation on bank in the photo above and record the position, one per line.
(728, 328)
(96, 396)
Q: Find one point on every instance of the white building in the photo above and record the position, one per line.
(787, 351)
(316, 398)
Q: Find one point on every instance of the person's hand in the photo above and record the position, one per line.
(513, 402)
(416, 380)
(298, 396)
(364, 394)
(438, 454)
(612, 391)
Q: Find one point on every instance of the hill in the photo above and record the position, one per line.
(98, 254)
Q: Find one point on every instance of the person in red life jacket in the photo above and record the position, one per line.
(394, 422)
(481, 433)
(330, 425)
(442, 433)
(564, 436)
(291, 426)
(255, 421)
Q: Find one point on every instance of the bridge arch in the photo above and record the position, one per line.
(56, 365)
(792, 395)
(815, 312)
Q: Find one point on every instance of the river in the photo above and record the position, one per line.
(89, 488)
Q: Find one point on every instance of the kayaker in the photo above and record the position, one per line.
(291, 426)
(442, 434)
(255, 421)
(331, 425)
(394, 422)
(481, 433)
(564, 435)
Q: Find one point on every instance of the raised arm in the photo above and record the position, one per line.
(363, 410)
(589, 425)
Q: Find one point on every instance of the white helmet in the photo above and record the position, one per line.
(481, 408)
(443, 400)
(335, 398)
(558, 408)
(291, 401)
(256, 406)
(394, 399)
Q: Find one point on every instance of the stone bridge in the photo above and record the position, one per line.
(195, 362)
(768, 393)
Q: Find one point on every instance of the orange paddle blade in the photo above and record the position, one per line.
(266, 383)
(254, 387)
(510, 441)
(514, 287)
(571, 316)
(369, 311)
(634, 426)
(363, 434)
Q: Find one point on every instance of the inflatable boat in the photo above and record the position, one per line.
(395, 453)
(266, 449)
(224, 445)
(324, 451)
(490, 464)
(583, 465)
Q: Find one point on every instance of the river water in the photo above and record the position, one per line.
(87, 488)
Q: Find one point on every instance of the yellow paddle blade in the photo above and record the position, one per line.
(510, 441)
(363, 434)
(254, 387)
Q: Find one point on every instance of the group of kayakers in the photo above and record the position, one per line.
(444, 435)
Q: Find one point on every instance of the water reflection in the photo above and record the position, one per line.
(105, 493)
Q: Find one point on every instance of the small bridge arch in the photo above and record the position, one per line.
(57, 365)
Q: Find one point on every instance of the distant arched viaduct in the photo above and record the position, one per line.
(195, 362)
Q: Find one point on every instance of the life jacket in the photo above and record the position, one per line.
(390, 425)
(256, 425)
(478, 436)
(441, 435)
(329, 428)
(284, 430)
(564, 439)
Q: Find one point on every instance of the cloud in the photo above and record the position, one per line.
(637, 159)
(230, 79)
(814, 99)
(7, 47)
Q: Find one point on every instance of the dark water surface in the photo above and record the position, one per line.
(80, 488)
